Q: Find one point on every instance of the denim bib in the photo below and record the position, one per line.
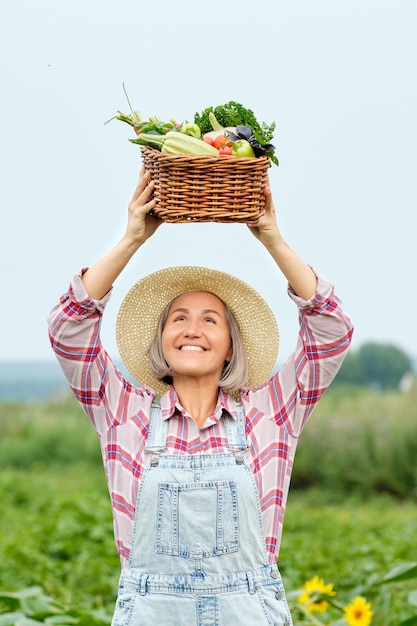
(198, 553)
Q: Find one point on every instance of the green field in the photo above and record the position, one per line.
(351, 515)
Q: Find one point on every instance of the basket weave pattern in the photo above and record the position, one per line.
(205, 188)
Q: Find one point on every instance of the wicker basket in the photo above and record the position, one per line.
(207, 188)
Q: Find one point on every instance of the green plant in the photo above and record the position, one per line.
(360, 441)
(316, 602)
(31, 606)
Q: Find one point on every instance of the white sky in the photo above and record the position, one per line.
(339, 78)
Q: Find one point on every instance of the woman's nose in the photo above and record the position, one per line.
(192, 330)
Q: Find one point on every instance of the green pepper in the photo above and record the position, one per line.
(191, 129)
(242, 148)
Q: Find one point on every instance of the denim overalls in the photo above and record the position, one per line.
(198, 554)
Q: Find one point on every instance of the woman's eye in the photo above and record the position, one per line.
(211, 320)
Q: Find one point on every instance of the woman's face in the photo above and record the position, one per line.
(196, 338)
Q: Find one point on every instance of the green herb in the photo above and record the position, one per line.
(234, 114)
(153, 124)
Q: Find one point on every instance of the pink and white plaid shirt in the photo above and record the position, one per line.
(275, 411)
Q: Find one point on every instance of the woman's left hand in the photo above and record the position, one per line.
(266, 228)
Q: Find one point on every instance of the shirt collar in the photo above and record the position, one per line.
(170, 404)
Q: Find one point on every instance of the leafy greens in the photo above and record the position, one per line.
(235, 114)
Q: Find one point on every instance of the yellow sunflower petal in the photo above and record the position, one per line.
(316, 586)
(304, 598)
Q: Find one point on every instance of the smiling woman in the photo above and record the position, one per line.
(198, 455)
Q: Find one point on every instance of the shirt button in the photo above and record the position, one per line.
(278, 595)
(274, 573)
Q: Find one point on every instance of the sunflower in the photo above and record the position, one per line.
(358, 612)
(312, 589)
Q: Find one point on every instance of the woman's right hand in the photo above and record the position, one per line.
(141, 225)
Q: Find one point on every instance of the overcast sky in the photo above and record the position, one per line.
(339, 79)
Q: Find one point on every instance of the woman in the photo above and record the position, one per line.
(198, 456)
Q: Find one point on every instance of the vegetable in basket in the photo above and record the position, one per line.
(152, 125)
(245, 135)
(175, 142)
(218, 129)
(229, 129)
(188, 128)
(242, 148)
(231, 115)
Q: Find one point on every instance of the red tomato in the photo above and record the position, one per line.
(209, 140)
(225, 150)
(221, 140)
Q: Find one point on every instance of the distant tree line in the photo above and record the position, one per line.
(377, 365)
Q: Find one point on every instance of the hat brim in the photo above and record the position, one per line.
(143, 305)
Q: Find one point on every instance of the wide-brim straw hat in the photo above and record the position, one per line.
(143, 305)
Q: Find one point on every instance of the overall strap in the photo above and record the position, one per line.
(236, 430)
(158, 430)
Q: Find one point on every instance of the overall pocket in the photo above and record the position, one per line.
(197, 520)
(274, 603)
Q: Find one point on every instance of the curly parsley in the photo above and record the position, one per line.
(234, 114)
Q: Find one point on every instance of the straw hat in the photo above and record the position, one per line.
(144, 303)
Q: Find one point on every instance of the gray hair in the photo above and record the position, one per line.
(235, 372)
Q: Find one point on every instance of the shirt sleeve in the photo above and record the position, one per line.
(74, 332)
(325, 333)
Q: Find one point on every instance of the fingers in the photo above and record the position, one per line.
(268, 194)
(144, 188)
(269, 203)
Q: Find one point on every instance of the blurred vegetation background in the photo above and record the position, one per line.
(351, 514)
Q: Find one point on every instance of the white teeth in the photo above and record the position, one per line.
(192, 348)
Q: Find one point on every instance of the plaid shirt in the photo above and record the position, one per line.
(275, 411)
